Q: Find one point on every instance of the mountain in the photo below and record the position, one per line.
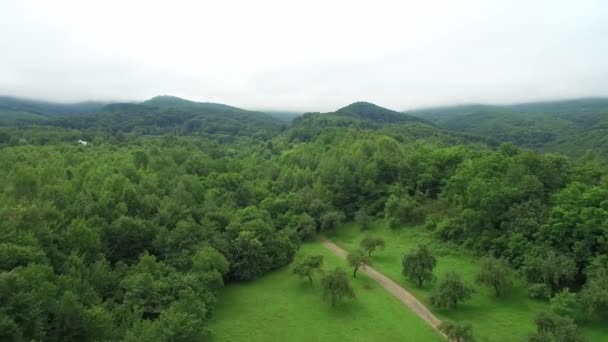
(167, 101)
(571, 127)
(38, 109)
(371, 112)
(368, 116)
(158, 115)
(169, 114)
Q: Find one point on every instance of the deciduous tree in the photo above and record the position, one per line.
(308, 265)
(356, 259)
(450, 291)
(495, 273)
(418, 265)
(336, 287)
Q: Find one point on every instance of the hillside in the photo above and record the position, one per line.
(47, 108)
(371, 112)
(571, 127)
(368, 116)
(159, 115)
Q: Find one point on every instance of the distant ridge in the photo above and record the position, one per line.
(48, 108)
(372, 112)
(168, 101)
(573, 127)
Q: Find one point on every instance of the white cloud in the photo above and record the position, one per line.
(307, 55)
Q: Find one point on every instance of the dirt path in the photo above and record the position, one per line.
(393, 288)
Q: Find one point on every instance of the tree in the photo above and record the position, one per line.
(212, 263)
(402, 210)
(371, 243)
(457, 331)
(304, 225)
(548, 267)
(566, 304)
(418, 265)
(594, 295)
(553, 328)
(362, 218)
(356, 259)
(336, 287)
(495, 273)
(331, 220)
(450, 291)
(248, 259)
(306, 266)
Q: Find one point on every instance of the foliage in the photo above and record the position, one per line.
(336, 286)
(357, 258)
(570, 126)
(594, 295)
(418, 265)
(495, 273)
(371, 243)
(550, 327)
(457, 331)
(363, 218)
(306, 266)
(450, 291)
(566, 304)
(553, 270)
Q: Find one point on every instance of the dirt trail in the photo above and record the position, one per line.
(393, 288)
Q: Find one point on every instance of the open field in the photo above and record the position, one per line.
(281, 307)
(505, 319)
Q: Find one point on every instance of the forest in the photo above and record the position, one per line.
(136, 234)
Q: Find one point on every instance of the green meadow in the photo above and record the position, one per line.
(282, 307)
(494, 319)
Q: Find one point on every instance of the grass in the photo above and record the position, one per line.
(282, 307)
(494, 319)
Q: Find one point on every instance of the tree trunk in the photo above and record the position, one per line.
(355, 272)
(310, 278)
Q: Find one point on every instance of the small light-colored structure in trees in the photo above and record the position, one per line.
(82, 142)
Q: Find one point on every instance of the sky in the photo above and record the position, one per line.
(305, 55)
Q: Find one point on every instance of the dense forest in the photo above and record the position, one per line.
(131, 236)
(572, 127)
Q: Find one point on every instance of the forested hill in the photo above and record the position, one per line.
(363, 115)
(571, 127)
(377, 114)
(159, 115)
(19, 110)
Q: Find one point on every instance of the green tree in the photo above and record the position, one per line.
(330, 220)
(362, 218)
(566, 304)
(553, 328)
(548, 267)
(248, 259)
(418, 265)
(450, 291)
(495, 273)
(594, 295)
(357, 258)
(371, 243)
(336, 286)
(308, 265)
(457, 331)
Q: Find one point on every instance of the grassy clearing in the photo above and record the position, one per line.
(281, 307)
(505, 319)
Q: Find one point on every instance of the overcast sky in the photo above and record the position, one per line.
(307, 54)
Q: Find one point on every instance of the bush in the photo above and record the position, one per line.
(539, 291)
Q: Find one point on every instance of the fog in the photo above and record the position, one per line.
(305, 55)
